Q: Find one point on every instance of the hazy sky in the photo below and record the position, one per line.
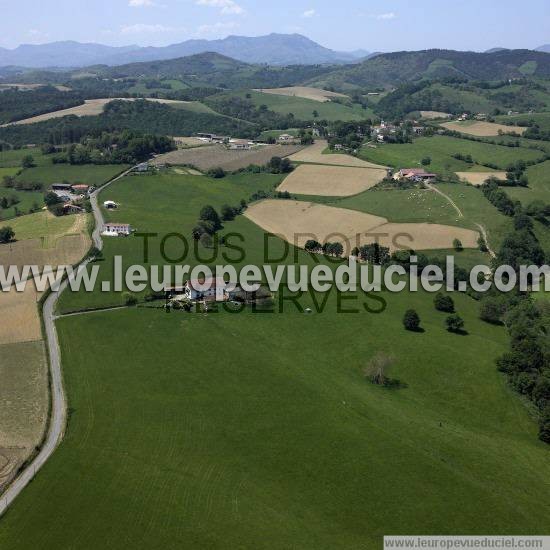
(384, 25)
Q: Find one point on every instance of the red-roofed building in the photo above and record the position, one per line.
(416, 174)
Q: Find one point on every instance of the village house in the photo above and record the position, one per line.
(239, 144)
(210, 289)
(116, 229)
(213, 138)
(414, 174)
(110, 205)
(285, 138)
(142, 167)
(81, 189)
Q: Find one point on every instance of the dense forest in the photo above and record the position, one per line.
(140, 116)
(17, 105)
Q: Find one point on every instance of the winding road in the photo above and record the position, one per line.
(58, 416)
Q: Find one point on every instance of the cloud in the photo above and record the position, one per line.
(143, 28)
(141, 3)
(386, 16)
(227, 7)
(309, 13)
(215, 29)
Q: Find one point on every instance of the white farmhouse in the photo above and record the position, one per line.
(116, 229)
(210, 289)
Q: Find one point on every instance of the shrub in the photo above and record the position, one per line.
(444, 303)
(130, 299)
(454, 323)
(457, 245)
(7, 234)
(411, 320)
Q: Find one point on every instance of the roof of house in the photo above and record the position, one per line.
(208, 283)
(80, 186)
(415, 172)
(113, 224)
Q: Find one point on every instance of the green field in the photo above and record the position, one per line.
(303, 109)
(27, 200)
(441, 148)
(12, 158)
(276, 133)
(269, 436)
(177, 201)
(258, 431)
(418, 205)
(90, 174)
(541, 119)
(539, 185)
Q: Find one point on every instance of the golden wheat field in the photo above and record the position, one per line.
(299, 221)
(330, 181)
(314, 155)
(304, 92)
(482, 129)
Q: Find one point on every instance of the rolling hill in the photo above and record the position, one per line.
(396, 68)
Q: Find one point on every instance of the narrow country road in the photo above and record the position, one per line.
(451, 201)
(486, 239)
(56, 428)
(461, 215)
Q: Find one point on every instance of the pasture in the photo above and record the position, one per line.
(90, 174)
(478, 178)
(27, 200)
(539, 185)
(303, 109)
(319, 154)
(482, 129)
(205, 158)
(304, 92)
(24, 399)
(431, 115)
(440, 149)
(338, 181)
(218, 450)
(541, 119)
(12, 158)
(299, 221)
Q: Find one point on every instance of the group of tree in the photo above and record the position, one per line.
(209, 223)
(124, 147)
(19, 104)
(328, 249)
(21, 183)
(499, 198)
(373, 253)
(141, 117)
(527, 363)
(8, 202)
(444, 303)
(515, 174)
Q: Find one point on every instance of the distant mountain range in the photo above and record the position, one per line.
(273, 49)
(544, 48)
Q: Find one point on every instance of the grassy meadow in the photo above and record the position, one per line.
(90, 174)
(441, 150)
(270, 437)
(255, 430)
(303, 108)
